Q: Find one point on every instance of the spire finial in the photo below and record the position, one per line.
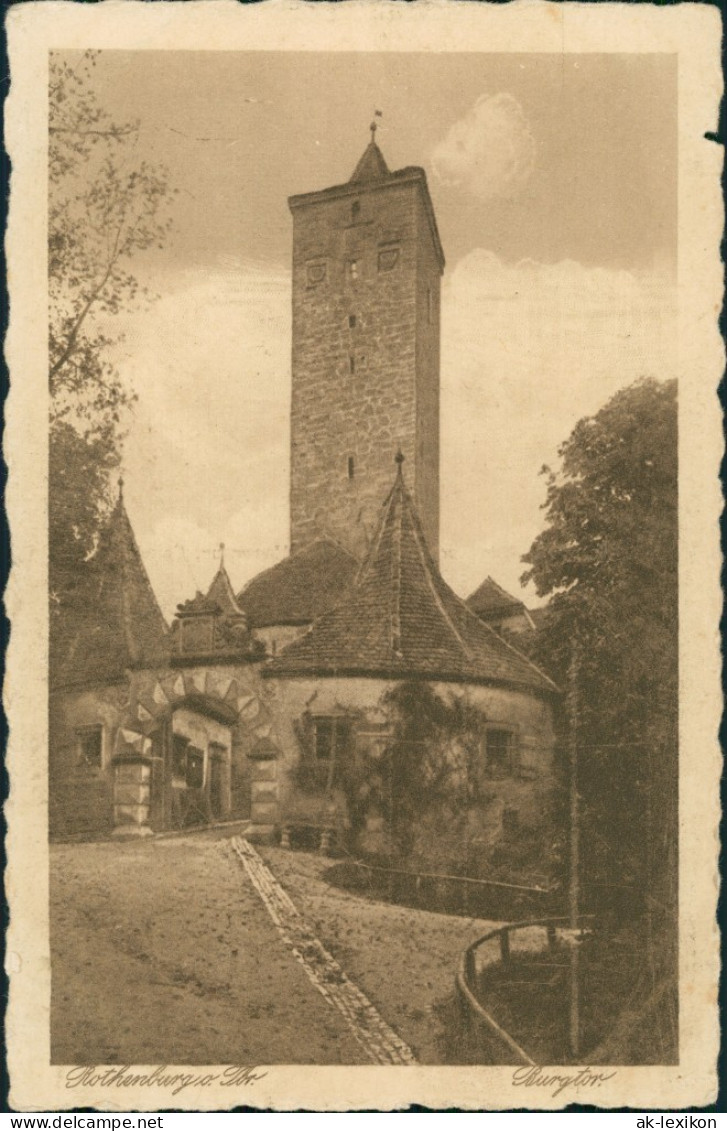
(121, 487)
(373, 127)
(222, 555)
(399, 459)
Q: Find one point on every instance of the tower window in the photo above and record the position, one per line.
(315, 273)
(353, 268)
(355, 209)
(352, 364)
(351, 467)
(351, 321)
(388, 258)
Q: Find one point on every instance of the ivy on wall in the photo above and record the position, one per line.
(430, 756)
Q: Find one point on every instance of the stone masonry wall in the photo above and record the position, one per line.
(528, 716)
(365, 361)
(81, 796)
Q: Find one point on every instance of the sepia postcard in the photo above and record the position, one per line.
(363, 443)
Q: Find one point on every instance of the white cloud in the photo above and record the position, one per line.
(489, 152)
(527, 350)
(207, 458)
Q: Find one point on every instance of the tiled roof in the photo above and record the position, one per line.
(491, 600)
(198, 606)
(222, 592)
(372, 165)
(301, 587)
(401, 620)
(115, 622)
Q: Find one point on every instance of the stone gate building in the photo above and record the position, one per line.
(251, 702)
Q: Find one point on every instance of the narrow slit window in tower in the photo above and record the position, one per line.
(353, 268)
(352, 364)
(351, 321)
(351, 468)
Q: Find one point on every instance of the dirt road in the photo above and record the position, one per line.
(163, 953)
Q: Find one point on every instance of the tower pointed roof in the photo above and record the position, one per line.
(222, 593)
(373, 174)
(371, 166)
(115, 622)
(401, 620)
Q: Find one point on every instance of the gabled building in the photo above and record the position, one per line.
(498, 608)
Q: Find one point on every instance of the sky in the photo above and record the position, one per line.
(554, 181)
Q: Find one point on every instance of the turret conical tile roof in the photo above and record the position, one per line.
(116, 622)
(223, 594)
(401, 620)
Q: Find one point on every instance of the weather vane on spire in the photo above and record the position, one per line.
(373, 127)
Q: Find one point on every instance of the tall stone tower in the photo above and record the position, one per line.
(367, 263)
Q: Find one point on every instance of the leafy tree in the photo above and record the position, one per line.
(607, 559)
(105, 206)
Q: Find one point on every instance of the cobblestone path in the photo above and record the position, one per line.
(381, 1044)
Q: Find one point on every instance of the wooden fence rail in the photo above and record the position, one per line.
(466, 895)
(475, 1013)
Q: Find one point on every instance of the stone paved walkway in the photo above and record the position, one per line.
(381, 1044)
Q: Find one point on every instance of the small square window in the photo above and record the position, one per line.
(352, 321)
(90, 746)
(388, 258)
(316, 273)
(330, 737)
(353, 268)
(499, 752)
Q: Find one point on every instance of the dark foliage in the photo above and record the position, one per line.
(105, 207)
(608, 561)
